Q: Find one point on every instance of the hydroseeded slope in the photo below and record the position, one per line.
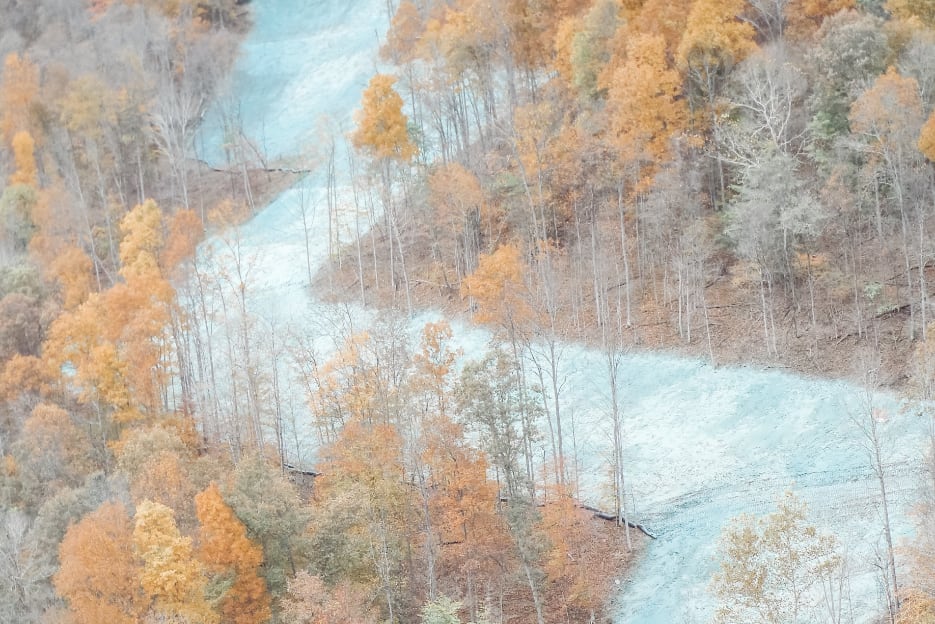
(703, 444)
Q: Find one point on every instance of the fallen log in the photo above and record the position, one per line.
(264, 169)
(604, 515)
(296, 470)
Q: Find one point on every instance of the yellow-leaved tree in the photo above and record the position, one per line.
(171, 576)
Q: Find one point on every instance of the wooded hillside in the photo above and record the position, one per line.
(746, 180)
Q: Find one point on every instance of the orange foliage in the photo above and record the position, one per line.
(533, 25)
(921, 10)
(72, 268)
(462, 500)
(21, 374)
(88, 107)
(18, 95)
(185, 232)
(367, 454)
(402, 39)
(225, 547)
(927, 138)
(24, 159)
(163, 479)
(663, 17)
(99, 575)
(804, 17)
(142, 240)
(890, 111)
(309, 601)
(57, 448)
(116, 340)
(644, 104)
(382, 127)
(433, 363)
(573, 544)
(346, 386)
(496, 287)
(461, 217)
(715, 39)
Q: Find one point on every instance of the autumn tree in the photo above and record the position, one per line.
(773, 569)
(496, 288)
(381, 124)
(806, 16)
(460, 223)
(20, 95)
(572, 552)
(99, 574)
(52, 453)
(225, 549)
(918, 9)
(715, 39)
(382, 133)
(888, 119)
(157, 465)
(170, 575)
(117, 340)
(275, 518)
(461, 504)
(24, 159)
(366, 461)
(310, 601)
(644, 103)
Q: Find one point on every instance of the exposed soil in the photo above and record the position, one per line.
(826, 349)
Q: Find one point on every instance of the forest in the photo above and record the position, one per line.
(740, 181)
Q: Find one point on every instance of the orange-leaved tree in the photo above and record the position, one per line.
(715, 39)
(24, 158)
(922, 10)
(116, 341)
(927, 138)
(225, 549)
(804, 18)
(18, 96)
(382, 126)
(644, 103)
(497, 288)
(99, 575)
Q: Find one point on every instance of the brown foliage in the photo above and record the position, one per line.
(309, 601)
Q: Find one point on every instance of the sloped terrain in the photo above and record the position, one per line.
(703, 444)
